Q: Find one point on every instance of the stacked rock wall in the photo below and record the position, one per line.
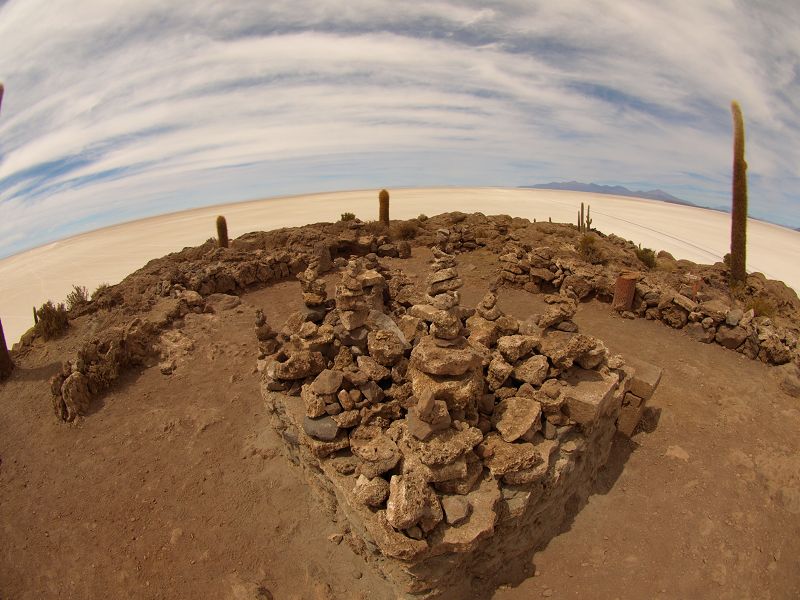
(453, 450)
(705, 317)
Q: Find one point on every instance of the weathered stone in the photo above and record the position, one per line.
(700, 333)
(424, 312)
(458, 391)
(482, 330)
(437, 420)
(222, 302)
(431, 359)
(564, 349)
(588, 394)
(730, 337)
(370, 367)
(323, 428)
(502, 457)
(327, 382)
(371, 492)
(379, 453)
(75, 394)
(442, 448)
(456, 509)
(675, 316)
(442, 275)
(645, 379)
(515, 416)
(464, 484)
(385, 347)
(300, 365)
(315, 404)
(353, 319)
(445, 324)
(347, 419)
(515, 347)
(532, 370)
(715, 309)
(630, 414)
(734, 316)
(499, 370)
(408, 498)
(479, 525)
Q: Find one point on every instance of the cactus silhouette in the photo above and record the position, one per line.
(6, 364)
(222, 232)
(739, 199)
(383, 204)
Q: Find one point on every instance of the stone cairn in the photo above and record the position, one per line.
(448, 456)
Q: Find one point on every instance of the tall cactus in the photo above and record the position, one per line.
(739, 199)
(6, 364)
(222, 232)
(383, 205)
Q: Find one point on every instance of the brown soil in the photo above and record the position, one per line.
(175, 487)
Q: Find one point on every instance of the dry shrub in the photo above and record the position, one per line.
(422, 217)
(761, 307)
(646, 256)
(404, 230)
(347, 216)
(100, 289)
(375, 228)
(78, 297)
(53, 320)
(589, 249)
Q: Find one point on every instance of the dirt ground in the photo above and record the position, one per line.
(175, 487)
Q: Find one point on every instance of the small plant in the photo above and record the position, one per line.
(375, 228)
(53, 320)
(100, 289)
(383, 207)
(77, 297)
(347, 216)
(646, 256)
(589, 249)
(222, 232)
(423, 217)
(404, 230)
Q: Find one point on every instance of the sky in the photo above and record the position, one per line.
(119, 110)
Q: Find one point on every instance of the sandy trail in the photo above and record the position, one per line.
(109, 254)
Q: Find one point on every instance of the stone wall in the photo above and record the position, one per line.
(448, 449)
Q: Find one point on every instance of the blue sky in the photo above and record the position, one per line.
(119, 110)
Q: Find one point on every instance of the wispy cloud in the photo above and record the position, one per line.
(115, 110)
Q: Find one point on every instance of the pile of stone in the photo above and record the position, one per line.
(314, 292)
(456, 238)
(439, 443)
(515, 267)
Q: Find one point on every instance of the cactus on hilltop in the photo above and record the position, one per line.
(222, 232)
(739, 199)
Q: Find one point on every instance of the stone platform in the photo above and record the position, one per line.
(447, 451)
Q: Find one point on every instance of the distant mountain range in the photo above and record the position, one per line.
(614, 190)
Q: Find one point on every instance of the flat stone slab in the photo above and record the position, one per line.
(587, 394)
(646, 379)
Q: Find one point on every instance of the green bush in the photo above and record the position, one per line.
(646, 256)
(53, 320)
(348, 216)
(77, 297)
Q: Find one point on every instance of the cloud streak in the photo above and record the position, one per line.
(115, 111)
